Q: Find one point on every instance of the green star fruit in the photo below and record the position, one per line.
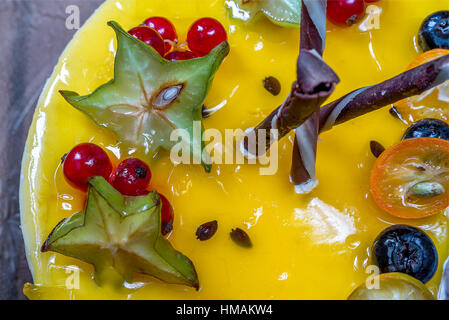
(149, 96)
(122, 233)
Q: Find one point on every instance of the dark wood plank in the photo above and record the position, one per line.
(33, 35)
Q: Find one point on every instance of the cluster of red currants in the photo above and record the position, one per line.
(159, 33)
(131, 177)
(346, 12)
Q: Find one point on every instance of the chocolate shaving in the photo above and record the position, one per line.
(302, 172)
(313, 34)
(241, 238)
(315, 82)
(272, 85)
(364, 100)
(376, 148)
(206, 230)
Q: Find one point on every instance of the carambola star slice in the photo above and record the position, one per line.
(150, 97)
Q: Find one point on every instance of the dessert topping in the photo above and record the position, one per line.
(411, 179)
(167, 215)
(345, 12)
(241, 238)
(131, 177)
(121, 233)
(406, 249)
(204, 35)
(434, 31)
(432, 103)
(285, 13)
(315, 82)
(407, 84)
(149, 96)
(313, 39)
(84, 161)
(364, 100)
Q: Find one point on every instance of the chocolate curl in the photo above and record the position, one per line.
(364, 100)
(361, 101)
(313, 25)
(303, 173)
(313, 36)
(315, 82)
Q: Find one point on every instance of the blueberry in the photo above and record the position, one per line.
(434, 31)
(428, 128)
(406, 249)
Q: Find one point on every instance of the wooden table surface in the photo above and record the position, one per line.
(33, 35)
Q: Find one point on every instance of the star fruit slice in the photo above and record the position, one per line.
(149, 97)
(286, 13)
(123, 233)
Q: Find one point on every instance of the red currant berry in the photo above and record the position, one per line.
(165, 28)
(180, 55)
(84, 161)
(150, 37)
(167, 215)
(132, 177)
(204, 35)
(345, 12)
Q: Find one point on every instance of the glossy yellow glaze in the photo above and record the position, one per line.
(305, 246)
